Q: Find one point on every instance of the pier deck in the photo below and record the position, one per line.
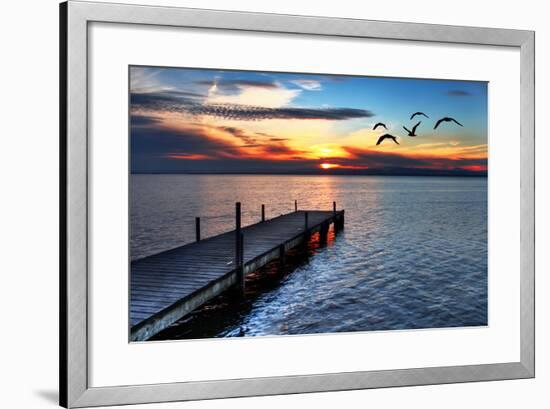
(167, 286)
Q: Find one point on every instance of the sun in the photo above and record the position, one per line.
(329, 165)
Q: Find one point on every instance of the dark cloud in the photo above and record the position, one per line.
(458, 93)
(179, 103)
(252, 141)
(150, 147)
(281, 149)
(161, 149)
(185, 94)
(377, 159)
(255, 113)
(155, 100)
(271, 146)
(238, 133)
(239, 83)
(143, 120)
(164, 98)
(270, 137)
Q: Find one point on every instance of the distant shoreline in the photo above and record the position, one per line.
(443, 174)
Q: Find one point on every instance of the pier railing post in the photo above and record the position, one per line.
(282, 256)
(197, 228)
(240, 275)
(239, 251)
(335, 217)
(295, 205)
(323, 233)
(306, 232)
(237, 231)
(263, 213)
(339, 222)
(238, 217)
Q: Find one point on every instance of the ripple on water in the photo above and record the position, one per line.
(413, 253)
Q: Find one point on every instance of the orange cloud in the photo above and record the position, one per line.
(475, 168)
(188, 156)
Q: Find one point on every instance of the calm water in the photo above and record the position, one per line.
(413, 253)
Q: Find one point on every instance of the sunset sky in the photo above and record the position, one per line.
(219, 121)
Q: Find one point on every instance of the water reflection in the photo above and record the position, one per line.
(224, 315)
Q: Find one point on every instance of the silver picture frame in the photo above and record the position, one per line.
(75, 16)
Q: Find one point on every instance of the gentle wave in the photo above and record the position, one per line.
(413, 253)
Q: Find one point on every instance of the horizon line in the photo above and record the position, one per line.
(443, 174)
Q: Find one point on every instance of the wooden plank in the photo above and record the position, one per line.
(166, 285)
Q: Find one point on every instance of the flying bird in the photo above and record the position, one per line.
(379, 124)
(412, 133)
(419, 113)
(447, 119)
(387, 136)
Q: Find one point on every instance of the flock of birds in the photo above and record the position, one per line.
(412, 132)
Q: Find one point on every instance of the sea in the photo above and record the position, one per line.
(412, 255)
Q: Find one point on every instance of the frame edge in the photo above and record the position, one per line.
(287, 385)
(73, 368)
(527, 204)
(76, 211)
(63, 368)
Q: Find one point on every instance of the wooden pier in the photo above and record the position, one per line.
(169, 285)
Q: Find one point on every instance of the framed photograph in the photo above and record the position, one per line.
(257, 204)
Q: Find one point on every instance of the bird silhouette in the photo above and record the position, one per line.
(379, 124)
(419, 113)
(447, 119)
(387, 136)
(412, 133)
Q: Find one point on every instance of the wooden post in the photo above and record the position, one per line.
(295, 205)
(323, 234)
(238, 216)
(339, 222)
(241, 264)
(197, 228)
(306, 232)
(239, 243)
(237, 232)
(334, 218)
(282, 256)
(263, 213)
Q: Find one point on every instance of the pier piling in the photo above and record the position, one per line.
(197, 229)
(323, 234)
(238, 246)
(240, 267)
(282, 256)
